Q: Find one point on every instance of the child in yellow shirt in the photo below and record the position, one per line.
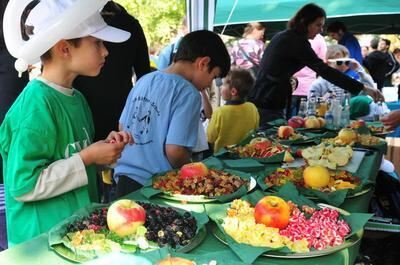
(231, 123)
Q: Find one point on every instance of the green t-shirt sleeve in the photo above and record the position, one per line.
(30, 153)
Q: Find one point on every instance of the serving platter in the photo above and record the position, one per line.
(62, 237)
(200, 198)
(350, 241)
(68, 254)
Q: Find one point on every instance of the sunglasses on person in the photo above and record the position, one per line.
(339, 63)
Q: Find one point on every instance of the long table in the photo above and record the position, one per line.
(37, 252)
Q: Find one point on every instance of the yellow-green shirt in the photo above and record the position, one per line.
(231, 123)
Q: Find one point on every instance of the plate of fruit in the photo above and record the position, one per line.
(316, 182)
(126, 226)
(310, 123)
(287, 135)
(262, 149)
(375, 128)
(349, 136)
(196, 183)
(286, 225)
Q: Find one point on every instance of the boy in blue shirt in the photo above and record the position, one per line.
(162, 111)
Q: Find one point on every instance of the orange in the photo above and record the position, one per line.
(316, 176)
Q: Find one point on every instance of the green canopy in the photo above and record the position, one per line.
(362, 16)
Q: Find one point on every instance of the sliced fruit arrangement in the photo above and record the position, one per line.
(369, 140)
(288, 133)
(258, 148)
(327, 155)
(347, 136)
(128, 226)
(314, 177)
(197, 179)
(275, 223)
(374, 127)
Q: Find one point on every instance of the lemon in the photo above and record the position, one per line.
(316, 176)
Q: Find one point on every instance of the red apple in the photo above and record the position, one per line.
(191, 170)
(125, 216)
(272, 211)
(357, 124)
(284, 132)
(296, 122)
(175, 261)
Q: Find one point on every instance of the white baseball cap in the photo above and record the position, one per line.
(47, 13)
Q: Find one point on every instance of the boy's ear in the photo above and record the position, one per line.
(62, 48)
(234, 92)
(203, 62)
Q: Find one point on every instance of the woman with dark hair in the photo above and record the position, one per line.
(287, 53)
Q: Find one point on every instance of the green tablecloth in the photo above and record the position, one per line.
(37, 252)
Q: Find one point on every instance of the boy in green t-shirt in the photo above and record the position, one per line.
(232, 122)
(46, 137)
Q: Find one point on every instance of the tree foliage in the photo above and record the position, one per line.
(160, 19)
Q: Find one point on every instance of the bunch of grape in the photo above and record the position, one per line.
(166, 226)
(96, 221)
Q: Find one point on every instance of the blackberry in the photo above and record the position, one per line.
(166, 226)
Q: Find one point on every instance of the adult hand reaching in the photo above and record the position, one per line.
(374, 93)
(392, 120)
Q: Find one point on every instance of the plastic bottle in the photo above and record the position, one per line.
(322, 107)
(311, 104)
(345, 115)
(329, 99)
(378, 111)
(381, 111)
(337, 112)
(303, 108)
(329, 118)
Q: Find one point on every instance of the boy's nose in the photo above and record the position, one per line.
(104, 51)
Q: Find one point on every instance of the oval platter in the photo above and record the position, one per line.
(314, 253)
(199, 198)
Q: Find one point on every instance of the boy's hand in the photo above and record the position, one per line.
(108, 151)
(117, 137)
(102, 153)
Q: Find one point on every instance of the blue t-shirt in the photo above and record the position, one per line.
(161, 109)
(353, 74)
(353, 46)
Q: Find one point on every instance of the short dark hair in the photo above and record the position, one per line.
(203, 43)
(396, 51)
(336, 26)
(241, 79)
(388, 42)
(304, 17)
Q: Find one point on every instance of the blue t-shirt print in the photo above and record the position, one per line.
(144, 113)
